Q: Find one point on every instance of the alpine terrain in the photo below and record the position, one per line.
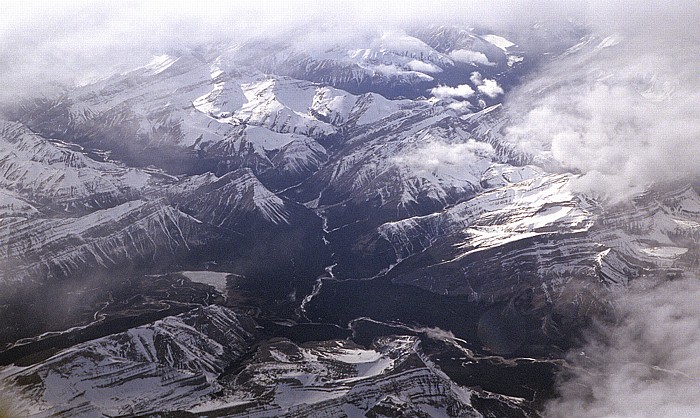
(261, 227)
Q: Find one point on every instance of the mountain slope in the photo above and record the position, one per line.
(169, 364)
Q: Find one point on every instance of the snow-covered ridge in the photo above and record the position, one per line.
(338, 378)
(286, 105)
(421, 158)
(64, 212)
(132, 232)
(42, 170)
(169, 364)
(536, 231)
(11, 206)
(208, 102)
(224, 201)
(525, 209)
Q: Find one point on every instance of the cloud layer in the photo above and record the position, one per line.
(645, 364)
(623, 110)
(74, 42)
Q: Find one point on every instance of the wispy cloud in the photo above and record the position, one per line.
(646, 363)
(423, 67)
(434, 155)
(624, 113)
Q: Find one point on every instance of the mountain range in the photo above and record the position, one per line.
(260, 229)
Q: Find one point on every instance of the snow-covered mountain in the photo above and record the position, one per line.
(340, 378)
(55, 174)
(331, 192)
(168, 364)
(181, 363)
(534, 239)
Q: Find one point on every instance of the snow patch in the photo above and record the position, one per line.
(215, 279)
(514, 59)
(665, 252)
(498, 41)
(160, 63)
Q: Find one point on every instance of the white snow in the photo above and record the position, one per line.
(32, 167)
(499, 175)
(281, 105)
(267, 139)
(665, 252)
(212, 278)
(609, 41)
(379, 107)
(124, 374)
(160, 63)
(514, 59)
(510, 213)
(498, 41)
(287, 395)
(13, 205)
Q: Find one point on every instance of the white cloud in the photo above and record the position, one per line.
(459, 160)
(423, 67)
(490, 88)
(486, 86)
(626, 116)
(392, 70)
(436, 154)
(646, 363)
(631, 126)
(445, 92)
(476, 78)
(470, 57)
